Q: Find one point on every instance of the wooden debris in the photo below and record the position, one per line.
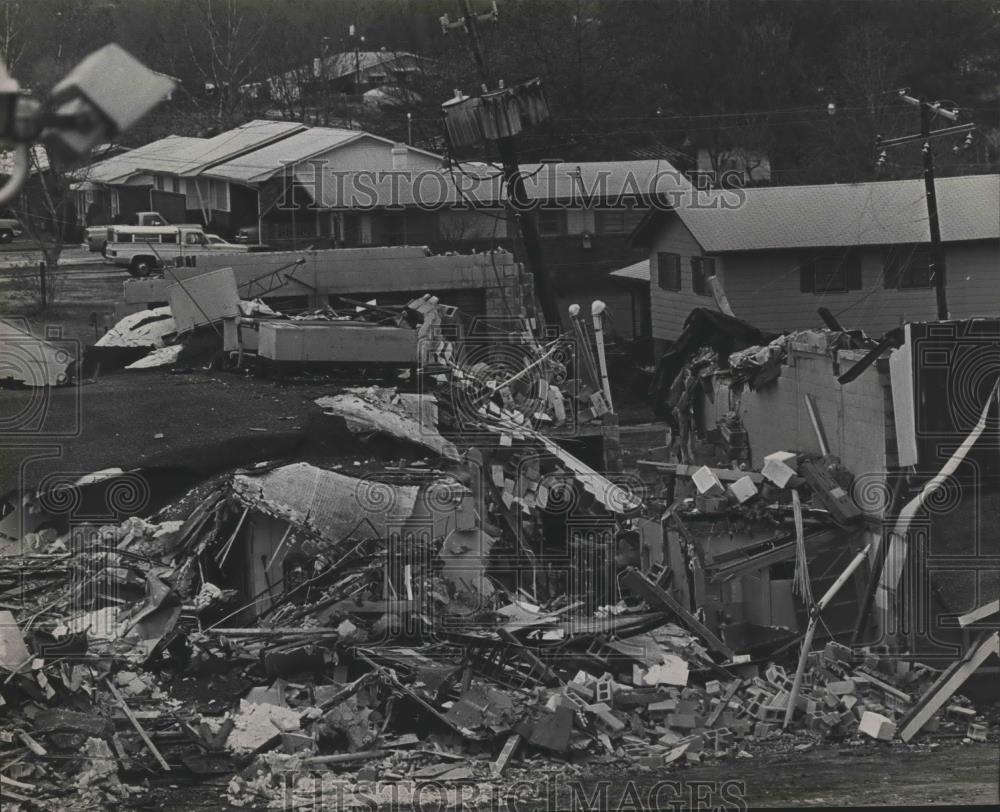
(135, 723)
(945, 686)
(509, 748)
(658, 596)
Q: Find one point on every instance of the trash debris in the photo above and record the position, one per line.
(473, 598)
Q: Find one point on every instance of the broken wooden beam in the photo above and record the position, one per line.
(723, 702)
(724, 474)
(135, 723)
(951, 679)
(658, 596)
(345, 758)
(979, 614)
(509, 748)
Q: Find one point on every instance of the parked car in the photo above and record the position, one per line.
(9, 229)
(97, 236)
(215, 241)
(143, 249)
(247, 235)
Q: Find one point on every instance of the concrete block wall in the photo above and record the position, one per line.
(854, 416)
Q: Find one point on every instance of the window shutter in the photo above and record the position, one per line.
(807, 282)
(890, 268)
(852, 271)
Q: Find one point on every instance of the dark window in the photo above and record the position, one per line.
(830, 272)
(609, 221)
(169, 238)
(668, 271)
(551, 222)
(907, 266)
(701, 269)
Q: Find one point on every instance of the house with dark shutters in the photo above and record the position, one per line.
(860, 250)
(585, 212)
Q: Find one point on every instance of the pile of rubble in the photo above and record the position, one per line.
(474, 604)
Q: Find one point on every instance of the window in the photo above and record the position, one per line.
(169, 238)
(701, 269)
(668, 271)
(551, 222)
(907, 266)
(609, 221)
(832, 272)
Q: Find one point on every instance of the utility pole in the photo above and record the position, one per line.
(929, 109)
(938, 270)
(517, 197)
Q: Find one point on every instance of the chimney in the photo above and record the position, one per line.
(400, 156)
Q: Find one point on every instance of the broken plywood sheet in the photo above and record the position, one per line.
(147, 328)
(160, 357)
(412, 418)
(203, 299)
(613, 496)
(255, 725)
(466, 554)
(335, 506)
(14, 655)
(31, 361)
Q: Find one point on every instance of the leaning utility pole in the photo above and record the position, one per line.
(928, 109)
(517, 197)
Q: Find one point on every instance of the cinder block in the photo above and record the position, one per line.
(743, 489)
(976, 732)
(605, 720)
(662, 708)
(707, 482)
(682, 721)
(877, 726)
(841, 687)
(777, 472)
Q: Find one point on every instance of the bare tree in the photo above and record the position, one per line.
(11, 34)
(225, 39)
(48, 214)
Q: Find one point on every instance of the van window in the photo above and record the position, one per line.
(194, 238)
(169, 238)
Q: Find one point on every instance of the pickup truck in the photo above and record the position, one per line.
(143, 249)
(97, 236)
(9, 229)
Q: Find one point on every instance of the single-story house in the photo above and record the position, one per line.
(860, 250)
(259, 181)
(167, 175)
(584, 214)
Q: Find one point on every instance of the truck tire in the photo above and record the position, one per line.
(6, 235)
(141, 266)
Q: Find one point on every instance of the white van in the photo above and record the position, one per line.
(143, 249)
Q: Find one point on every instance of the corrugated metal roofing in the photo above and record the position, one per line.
(572, 182)
(344, 64)
(638, 271)
(834, 215)
(120, 167)
(182, 155)
(261, 164)
(193, 158)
